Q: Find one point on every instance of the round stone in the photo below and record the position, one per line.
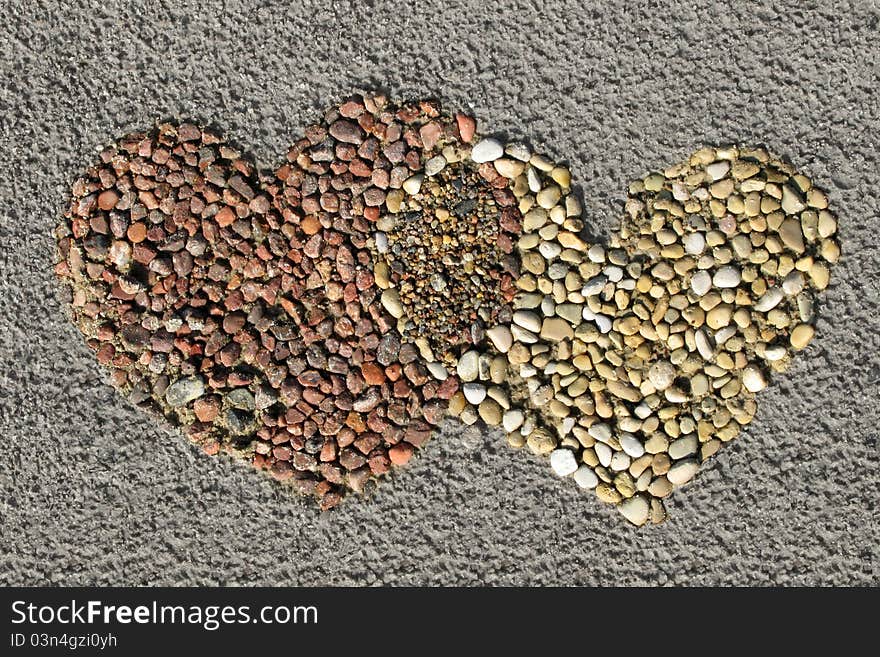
(563, 462)
(185, 390)
(701, 283)
(468, 368)
(501, 337)
(661, 374)
(586, 478)
(682, 472)
(694, 243)
(753, 379)
(635, 509)
(475, 393)
(631, 445)
(487, 150)
(727, 277)
(512, 420)
(490, 411)
(801, 336)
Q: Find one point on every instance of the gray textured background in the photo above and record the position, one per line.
(94, 492)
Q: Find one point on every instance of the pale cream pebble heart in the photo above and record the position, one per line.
(631, 364)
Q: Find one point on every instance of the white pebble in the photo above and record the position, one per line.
(600, 431)
(769, 300)
(726, 277)
(661, 374)
(793, 283)
(724, 334)
(701, 282)
(635, 509)
(631, 445)
(563, 462)
(603, 323)
(594, 286)
(682, 472)
(438, 371)
(468, 368)
(512, 420)
(586, 478)
(549, 249)
(753, 379)
(613, 272)
(435, 165)
(381, 242)
(620, 461)
(643, 411)
(703, 347)
(596, 254)
(528, 320)
(774, 353)
(604, 453)
(694, 243)
(413, 184)
(487, 151)
(501, 337)
(534, 180)
(717, 170)
(474, 392)
(522, 335)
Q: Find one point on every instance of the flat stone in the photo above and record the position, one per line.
(701, 283)
(512, 420)
(413, 184)
(717, 170)
(694, 243)
(438, 371)
(635, 509)
(509, 168)
(468, 368)
(791, 235)
(682, 472)
(793, 283)
(549, 197)
(475, 393)
(726, 277)
(791, 202)
(490, 411)
(501, 338)
(563, 462)
(704, 347)
(541, 442)
(435, 165)
(556, 329)
(600, 431)
(801, 336)
(603, 453)
(586, 478)
(594, 286)
(391, 303)
(487, 150)
(769, 300)
(183, 391)
(528, 320)
(686, 446)
(661, 374)
(631, 445)
(753, 379)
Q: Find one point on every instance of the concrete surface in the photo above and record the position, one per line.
(94, 492)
